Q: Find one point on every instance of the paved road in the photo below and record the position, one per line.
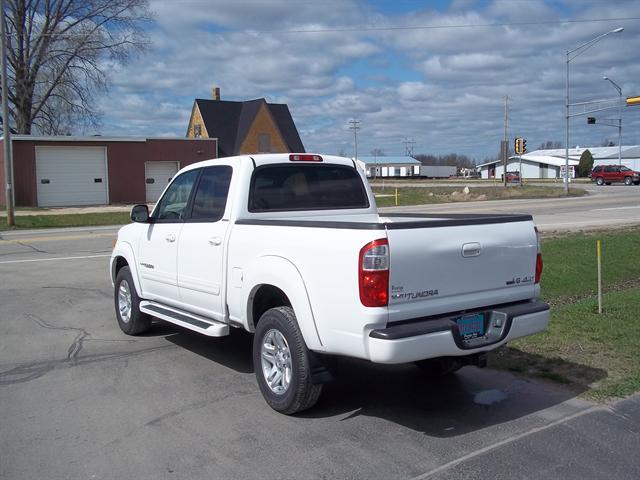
(605, 207)
(81, 400)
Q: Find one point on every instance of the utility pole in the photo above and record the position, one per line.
(355, 126)
(505, 141)
(6, 126)
(408, 146)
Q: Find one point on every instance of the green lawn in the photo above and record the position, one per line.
(67, 220)
(597, 354)
(570, 263)
(429, 195)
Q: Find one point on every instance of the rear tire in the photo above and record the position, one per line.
(628, 181)
(439, 367)
(130, 319)
(600, 181)
(281, 362)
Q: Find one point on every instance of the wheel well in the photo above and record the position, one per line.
(266, 297)
(120, 262)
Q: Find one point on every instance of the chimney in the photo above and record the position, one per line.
(215, 93)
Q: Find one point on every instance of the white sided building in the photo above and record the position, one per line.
(551, 163)
(533, 166)
(389, 166)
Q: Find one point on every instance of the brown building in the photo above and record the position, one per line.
(66, 171)
(248, 127)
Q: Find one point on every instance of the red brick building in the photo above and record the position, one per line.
(66, 171)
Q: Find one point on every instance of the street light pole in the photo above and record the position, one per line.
(6, 125)
(617, 87)
(577, 51)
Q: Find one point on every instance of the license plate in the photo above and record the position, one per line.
(471, 326)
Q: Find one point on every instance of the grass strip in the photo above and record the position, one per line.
(596, 355)
(430, 195)
(67, 220)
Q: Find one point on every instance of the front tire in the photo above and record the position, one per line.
(130, 319)
(281, 362)
(628, 181)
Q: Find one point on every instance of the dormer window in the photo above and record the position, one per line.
(264, 143)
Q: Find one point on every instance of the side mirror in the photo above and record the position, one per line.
(140, 214)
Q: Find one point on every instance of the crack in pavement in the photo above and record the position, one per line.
(31, 371)
(35, 249)
(80, 289)
(76, 345)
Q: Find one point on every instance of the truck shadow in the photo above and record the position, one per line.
(469, 400)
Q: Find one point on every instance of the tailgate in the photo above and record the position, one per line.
(441, 269)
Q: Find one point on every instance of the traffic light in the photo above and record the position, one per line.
(591, 120)
(520, 146)
(633, 101)
(523, 145)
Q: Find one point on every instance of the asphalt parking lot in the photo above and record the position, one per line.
(81, 400)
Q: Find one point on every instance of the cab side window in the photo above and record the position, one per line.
(172, 206)
(210, 197)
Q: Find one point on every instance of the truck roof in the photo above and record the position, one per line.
(273, 158)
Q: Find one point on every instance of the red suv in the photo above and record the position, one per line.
(614, 173)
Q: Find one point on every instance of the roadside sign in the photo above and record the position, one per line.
(563, 170)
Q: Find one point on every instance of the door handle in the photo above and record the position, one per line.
(170, 238)
(215, 241)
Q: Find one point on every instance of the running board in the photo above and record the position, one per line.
(194, 322)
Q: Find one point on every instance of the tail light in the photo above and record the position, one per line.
(539, 264)
(373, 273)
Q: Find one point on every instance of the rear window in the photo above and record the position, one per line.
(306, 187)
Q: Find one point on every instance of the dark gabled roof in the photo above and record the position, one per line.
(230, 122)
(282, 116)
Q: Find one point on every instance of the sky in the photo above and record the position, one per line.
(435, 73)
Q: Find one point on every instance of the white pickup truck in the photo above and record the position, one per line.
(292, 248)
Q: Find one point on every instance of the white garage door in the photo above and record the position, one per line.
(71, 176)
(157, 176)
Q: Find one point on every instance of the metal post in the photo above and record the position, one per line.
(6, 126)
(599, 254)
(520, 174)
(505, 153)
(620, 132)
(566, 146)
(578, 51)
(619, 89)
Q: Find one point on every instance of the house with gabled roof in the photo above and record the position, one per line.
(254, 126)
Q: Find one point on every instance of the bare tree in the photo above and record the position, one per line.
(550, 145)
(59, 52)
(377, 152)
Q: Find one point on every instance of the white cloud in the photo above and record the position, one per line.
(442, 86)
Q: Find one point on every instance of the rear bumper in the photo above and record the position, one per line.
(434, 337)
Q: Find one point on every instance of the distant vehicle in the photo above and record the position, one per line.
(513, 177)
(469, 173)
(607, 174)
(438, 171)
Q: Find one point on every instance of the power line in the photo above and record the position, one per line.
(373, 28)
